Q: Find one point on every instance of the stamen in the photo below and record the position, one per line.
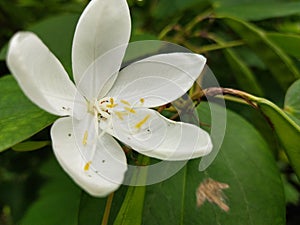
(111, 106)
(140, 124)
(85, 137)
(87, 166)
(119, 115)
(131, 110)
(104, 114)
(96, 107)
(142, 100)
(104, 100)
(125, 102)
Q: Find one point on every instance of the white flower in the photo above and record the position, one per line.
(107, 102)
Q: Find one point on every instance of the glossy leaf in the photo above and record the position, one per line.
(227, 3)
(287, 130)
(132, 207)
(57, 33)
(58, 200)
(243, 75)
(261, 10)
(291, 193)
(19, 118)
(3, 52)
(17, 113)
(290, 43)
(61, 201)
(292, 102)
(277, 61)
(163, 8)
(29, 146)
(244, 163)
(90, 209)
(131, 210)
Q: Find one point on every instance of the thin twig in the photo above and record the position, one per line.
(107, 209)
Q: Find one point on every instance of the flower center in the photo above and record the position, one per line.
(107, 106)
(103, 110)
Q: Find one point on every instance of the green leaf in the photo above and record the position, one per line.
(30, 146)
(291, 193)
(90, 209)
(57, 33)
(19, 118)
(3, 52)
(259, 10)
(61, 201)
(280, 65)
(244, 162)
(163, 9)
(287, 131)
(242, 73)
(292, 101)
(142, 36)
(132, 207)
(289, 42)
(227, 3)
(58, 200)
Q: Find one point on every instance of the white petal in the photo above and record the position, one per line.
(103, 25)
(158, 79)
(107, 168)
(101, 74)
(151, 134)
(85, 133)
(40, 74)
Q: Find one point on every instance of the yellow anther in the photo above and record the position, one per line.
(140, 124)
(85, 137)
(119, 115)
(87, 166)
(142, 100)
(111, 105)
(125, 102)
(131, 110)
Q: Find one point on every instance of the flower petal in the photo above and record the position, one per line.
(101, 176)
(40, 74)
(104, 25)
(158, 79)
(99, 77)
(149, 133)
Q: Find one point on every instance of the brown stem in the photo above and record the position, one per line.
(214, 91)
(107, 209)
